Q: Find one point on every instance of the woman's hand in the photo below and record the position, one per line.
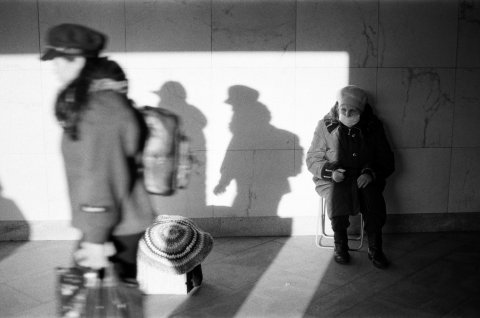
(92, 255)
(219, 189)
(338, 175)
(364, 180)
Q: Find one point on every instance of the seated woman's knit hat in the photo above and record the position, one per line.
(174, 244)
(352, 95)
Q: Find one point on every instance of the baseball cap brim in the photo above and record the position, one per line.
(50, 54)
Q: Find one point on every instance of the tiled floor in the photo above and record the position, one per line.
(433, 275)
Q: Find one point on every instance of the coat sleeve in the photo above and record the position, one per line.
(316, 159)
(106, 172)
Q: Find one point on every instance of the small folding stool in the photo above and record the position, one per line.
(319, 236)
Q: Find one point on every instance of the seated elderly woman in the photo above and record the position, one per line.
(350, 159)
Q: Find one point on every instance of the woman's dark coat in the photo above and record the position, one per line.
(107, 192)
(360, 149)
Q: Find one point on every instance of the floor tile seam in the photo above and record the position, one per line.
(23, 296)
(373, 292)
(352, 305)
(393, 303)
(259, 244)
(31, 310)
(431, 261)
(400, 278)
(23, 293)
(224, 255)
(416, 308)
(34, 273)
(461, 305)
(465, 244)
(338, 287)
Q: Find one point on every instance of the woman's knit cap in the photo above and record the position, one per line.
(174, 244)
(73, 40)
(354, 96)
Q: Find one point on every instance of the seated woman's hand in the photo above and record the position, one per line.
(338, 175)
(364, 180)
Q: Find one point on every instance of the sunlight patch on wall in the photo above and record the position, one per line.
(260, 106)
(296, 89)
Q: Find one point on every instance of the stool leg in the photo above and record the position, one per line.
(321, 220)
(360, 236)
(320, 233)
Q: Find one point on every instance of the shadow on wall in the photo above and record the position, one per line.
(259, 157)
(13, 225)
(173, 97)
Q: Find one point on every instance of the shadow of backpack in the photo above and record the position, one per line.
(167, 160)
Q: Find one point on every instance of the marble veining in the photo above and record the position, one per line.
(320, 27)
(434, 97)
(469, 12)
(370, 35)
(245, 26)
(468, 54)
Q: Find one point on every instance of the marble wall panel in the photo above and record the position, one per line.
(467, 109)
(170, 25)
(271, 172)
(22, 181)
(465, 180)
(184, 91)
(290, 57)
(366, 78)
(18, 27)
(417, 33)
(21, 112)
(260, 179)
(261, 106)
(191, 201)
(303, 199)
(231, 186)
(106, 16)
(253, 25)
(321, 27)
(315, 94)
(417, 105)
(420, 181)
(56, 186)
(468, 52)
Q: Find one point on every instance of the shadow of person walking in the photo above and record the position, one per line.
(260, 157)
(173, 97)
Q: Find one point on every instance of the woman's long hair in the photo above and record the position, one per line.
(72, 101)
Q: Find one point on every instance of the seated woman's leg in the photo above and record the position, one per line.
(374, 215)
(340, 237)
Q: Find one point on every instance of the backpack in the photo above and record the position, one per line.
(167, 160)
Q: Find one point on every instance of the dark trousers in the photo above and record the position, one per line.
(125, 259)
(373, 208)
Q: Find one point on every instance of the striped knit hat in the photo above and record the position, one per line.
(174, 244)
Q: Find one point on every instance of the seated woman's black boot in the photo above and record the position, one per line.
(340, 253)
(375, 251)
